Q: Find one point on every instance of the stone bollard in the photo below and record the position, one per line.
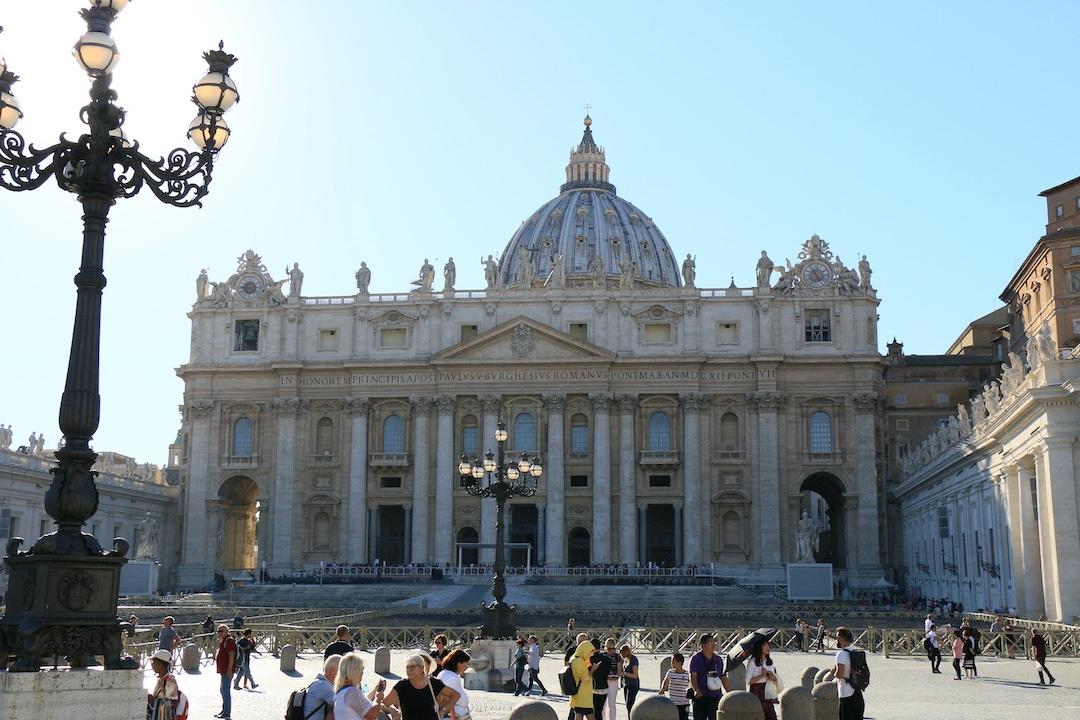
(288, 658)
(797, 703)
(654, 707)
(736, 676)
(826, 702)
(534, 710)
(665, 665)
(190, 657)
(819, 676)
(382, 660)
(740, 705)
(808, 675)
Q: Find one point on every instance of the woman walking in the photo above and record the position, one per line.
(969, 654)
(1038, 654)
(631, 679)
(418, 696)
(819, 641)
(957, 652)
(454, 666)
(349, 702)
(760, 672)
(521, 660)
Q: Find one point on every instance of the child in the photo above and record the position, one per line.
(677, 682)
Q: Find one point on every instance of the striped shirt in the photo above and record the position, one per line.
(678, 684)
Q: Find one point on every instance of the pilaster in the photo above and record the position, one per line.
(601, 502)
(554, 538)
(356, 533)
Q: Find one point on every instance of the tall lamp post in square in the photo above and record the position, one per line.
(62, 593)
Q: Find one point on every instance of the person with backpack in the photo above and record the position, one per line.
(245, 646)
(1038, 654)
(852, 676)
(316, 701)
(708, 678)
(165, 702)
(932, 645)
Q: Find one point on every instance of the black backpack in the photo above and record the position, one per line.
(927, 645)
(567, 685)
(295, 709)
(859, 672)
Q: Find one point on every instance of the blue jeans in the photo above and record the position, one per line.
(226, 695)
(243, 671)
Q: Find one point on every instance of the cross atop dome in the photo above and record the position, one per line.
(588, 167)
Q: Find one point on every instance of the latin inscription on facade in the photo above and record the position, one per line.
(659, 375)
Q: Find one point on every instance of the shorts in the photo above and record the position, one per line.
(582, 711)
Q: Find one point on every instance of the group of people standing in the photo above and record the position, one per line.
(814, 636)
(597, 675)
(965, 645)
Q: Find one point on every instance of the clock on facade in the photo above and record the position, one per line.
(816, 274)
(248, 286)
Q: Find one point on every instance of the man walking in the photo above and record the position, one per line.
(708, 679)
(342, 646)
(1038, 653)
(534, 665)
(932, 643)
(852, 704)
(226, 667)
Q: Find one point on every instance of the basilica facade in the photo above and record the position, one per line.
(677, 424)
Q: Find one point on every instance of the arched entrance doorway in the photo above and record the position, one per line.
(469, 555)
(239, 512)
(661, 538)
(578, 552)
(823, 498)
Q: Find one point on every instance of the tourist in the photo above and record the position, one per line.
(800, 638)
(342, 646)
(928, 623)
(708, 679)
(238, 621)
(677, 682)
(631, 677)
(760, 672)
(208, 625)
(534, 665)
(957, 652)
(819, 641)
(166, 691)
(319, 701)
(599, 670)
(614, 675)
(245, 646)
(932, 644)
(852, 704)
(454, 667)
(582, 702)
(521, 661)
(349, 702)
(969, 653)
(168, 638)
(417, 696)
(1038, 654)
(225, 659)
(441, 648)
(1010, 641)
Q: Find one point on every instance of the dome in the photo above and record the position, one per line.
(585, 222)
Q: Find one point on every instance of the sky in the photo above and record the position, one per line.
(919, 134)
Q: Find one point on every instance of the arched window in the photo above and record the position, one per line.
(324, 437)
(469, 555)
(243, 437)
(578, 550)
(393, 434)
(579, 435)
(659, 432)
(820, 433)
(470, 436)
(729, 433)
(525, 431)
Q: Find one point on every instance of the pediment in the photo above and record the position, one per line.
(524, 340)
(657, 313)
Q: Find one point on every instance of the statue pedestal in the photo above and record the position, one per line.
(139, 578)
(113, 694)
(491, 666)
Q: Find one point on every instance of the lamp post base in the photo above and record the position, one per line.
(499, 622)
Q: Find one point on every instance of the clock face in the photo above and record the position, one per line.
(249, 286)
(816, 274)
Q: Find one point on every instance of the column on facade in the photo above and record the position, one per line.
(1058, 486)
(1030, 566)
(628, 526)
(868, 556)
(539, 557)
(193, 571)
(421, 481)
(554, 482)
(356, 527)
(1003, 540)
(680, 545)
(693, 405)
(262, 533)
(445, 472)
(285, 454)
(601, 468)
(642, 538)
(488, 507)
(373, 534)
(409, 537)
(768, 462)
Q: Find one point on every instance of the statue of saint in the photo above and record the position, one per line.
(5, 437)
(807, 536)
(31, 443)
(864, 273)
(963, 420)
(1047, 347)
(526, 271)
(449, 275)
(148, 538)
(277, 297)
(764, 270)
(296, 279)
(201, 285)
(363, 278)
(427, 277)
(596, 270)
(1033, 351)
(557, 279)
(689, 271)
(491, 271)
(628, 269)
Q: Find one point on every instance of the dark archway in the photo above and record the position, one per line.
(469, 555)
(660, 540)
(390, 540)
(823, 497)
(524, 526)
(239, 506)
(578, 549)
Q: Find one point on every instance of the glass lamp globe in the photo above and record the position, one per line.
(537, 469)
(500, 435)
(97, 53)
(489, 463)
(215, 91)
(115, 5)
(523, 464)
(9, 111)
(464, 467)
(477, 472)
(512, 473)
(206, 127)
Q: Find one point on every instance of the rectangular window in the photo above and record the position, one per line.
(900, 399)
(657, 333)
(328, 340)
(468, 332)
(393, 337)
(579, 439)
(470, 440)
(1078, 202)
(818, 326)
(580, 331)
(902, 425)
(727, 333)
(943, 522)
(579, 481)
(659, 481)
(5, 524)
(246, 336)
(1059, 211)
(1074, 281)
(1076, 326)
(943, 398)
(1075, 250)
(390, 483)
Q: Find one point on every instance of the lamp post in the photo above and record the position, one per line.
(494, 477)
(63, 591)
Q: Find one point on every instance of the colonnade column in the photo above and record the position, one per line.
(356, 527)
(262, 535)
(641, 532)
(693, 405)
(554, 482)
(628, 530)
(488, 506)
(768, 461)
(868, 556)
(421, 481)
(1030, 565)
(193, 571)
(445, 473)
(1064, 531)
(601, 467)
(285, 456)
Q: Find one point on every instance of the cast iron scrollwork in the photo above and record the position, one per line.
(181, 178)
(24, 167)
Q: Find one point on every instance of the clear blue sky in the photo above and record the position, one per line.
(917, 133)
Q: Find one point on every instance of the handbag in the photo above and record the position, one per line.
(714, 680)
(773, 688)
(433, 699)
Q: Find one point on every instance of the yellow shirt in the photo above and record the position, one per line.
(579, 666)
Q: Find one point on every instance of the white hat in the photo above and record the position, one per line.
(163, 655)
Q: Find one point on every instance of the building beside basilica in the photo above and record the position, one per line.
(677, 424)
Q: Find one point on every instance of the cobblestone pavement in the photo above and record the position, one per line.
(901, 688)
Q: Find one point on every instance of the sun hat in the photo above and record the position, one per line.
(163, 655)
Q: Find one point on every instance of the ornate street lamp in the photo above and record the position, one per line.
(62, 595)
(494, 477)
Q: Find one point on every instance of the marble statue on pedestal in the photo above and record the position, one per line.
(864, 273)
(363, 278)
(201, 285)
(296, 280)
(808, 537)
(764, 270)
(525, 270)
(427, 277)
(5, 437)
(557, 278)
(689, 271)
(148, 538)
(449, 275)
(491, 271)
(628, 269)
(963, 420)
(596, 270)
